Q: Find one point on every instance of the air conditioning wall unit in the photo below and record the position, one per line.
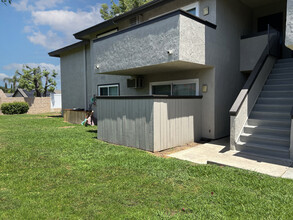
(136, 82)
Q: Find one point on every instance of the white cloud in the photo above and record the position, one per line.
(52, 28)
(61, 24)
(19, 66)
(66, 22)
(2, 76)
(50, 40)
(29, 5)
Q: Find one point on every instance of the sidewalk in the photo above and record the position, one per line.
(217, 152)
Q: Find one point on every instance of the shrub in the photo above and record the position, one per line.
(14, 108)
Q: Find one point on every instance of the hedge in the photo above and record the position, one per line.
(14, 108)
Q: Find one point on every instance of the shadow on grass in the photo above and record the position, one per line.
(55, 116)
(92, 131)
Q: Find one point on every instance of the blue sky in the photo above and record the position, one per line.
(32, 28)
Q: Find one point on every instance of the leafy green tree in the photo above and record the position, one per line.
(32, 79)
(6, 1)
(108, 12)
(12, 81)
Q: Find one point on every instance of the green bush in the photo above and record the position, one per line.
(14, 108)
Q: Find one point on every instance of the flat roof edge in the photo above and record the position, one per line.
(57, 53)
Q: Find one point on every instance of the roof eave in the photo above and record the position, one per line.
(81, 35)
(57, 53)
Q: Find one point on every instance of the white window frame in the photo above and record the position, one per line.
(176, 82)
(191, 6)
(107, 86)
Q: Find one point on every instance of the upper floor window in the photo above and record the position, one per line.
(192, 9)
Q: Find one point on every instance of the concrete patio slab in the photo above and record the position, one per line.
(217, 152)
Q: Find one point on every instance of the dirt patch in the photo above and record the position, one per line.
(167, 152)
(67, 127)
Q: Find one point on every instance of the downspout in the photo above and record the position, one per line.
(85, 78)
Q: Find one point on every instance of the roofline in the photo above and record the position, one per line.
(21, 92)
(57, 53)
(164, 16)
(81, 34)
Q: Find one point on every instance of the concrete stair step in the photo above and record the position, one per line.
(276, 94)
(284, 87)
(281, 76)
(266, 139)
(270, 115)
(272, 108)
(284, 65)
(275, 101)
(286, 60)
(267, 130)
(264, 149)
(281, 69)
(284, 123)
(279, 81)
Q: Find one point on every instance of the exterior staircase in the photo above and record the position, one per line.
(267, 130)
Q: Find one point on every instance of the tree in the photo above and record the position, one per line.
(32, 79)
(12, 81)
(5, 1)
(122, 7)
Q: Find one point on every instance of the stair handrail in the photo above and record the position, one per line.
(272, 49)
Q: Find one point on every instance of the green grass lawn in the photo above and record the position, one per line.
(49, 170)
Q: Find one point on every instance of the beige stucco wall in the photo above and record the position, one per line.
(37, 105)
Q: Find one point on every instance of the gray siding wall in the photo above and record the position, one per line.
(176, 122)
(126, 122)
(149, 124)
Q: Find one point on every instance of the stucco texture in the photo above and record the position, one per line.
(289, 25)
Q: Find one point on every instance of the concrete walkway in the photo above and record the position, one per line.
(217, 152)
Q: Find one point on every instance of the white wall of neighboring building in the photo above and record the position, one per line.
(56, 101)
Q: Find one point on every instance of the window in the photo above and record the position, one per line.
(192, 9)
(175, 88)
(108, 90)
